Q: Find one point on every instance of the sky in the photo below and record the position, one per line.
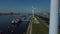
(23, 5)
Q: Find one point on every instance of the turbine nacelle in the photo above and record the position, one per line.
(33, 7)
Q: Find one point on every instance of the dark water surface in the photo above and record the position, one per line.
(5, 21)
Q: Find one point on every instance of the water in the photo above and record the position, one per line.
(5, 21)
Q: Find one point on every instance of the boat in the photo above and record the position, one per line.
(14, 22)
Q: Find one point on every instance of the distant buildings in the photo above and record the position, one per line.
(9, 13)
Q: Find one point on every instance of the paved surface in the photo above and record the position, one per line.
(35, 20)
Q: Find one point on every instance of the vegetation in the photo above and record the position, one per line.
(39, 28)
(45, 19)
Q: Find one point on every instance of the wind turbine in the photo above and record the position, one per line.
(33, 10)
(53, 27)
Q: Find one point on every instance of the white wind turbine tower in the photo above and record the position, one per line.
(53, 27)
(33, 9)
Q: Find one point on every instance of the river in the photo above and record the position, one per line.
(5, 21)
